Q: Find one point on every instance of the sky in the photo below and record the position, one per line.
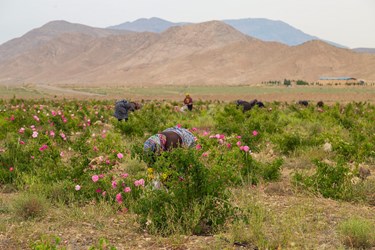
(348, 22)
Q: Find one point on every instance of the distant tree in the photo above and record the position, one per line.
(287, 82)
(300, 82)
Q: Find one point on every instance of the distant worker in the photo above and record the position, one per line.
(188, 101)
(123, 107)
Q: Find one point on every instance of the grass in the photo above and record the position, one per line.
(268, 93)
(357, 233)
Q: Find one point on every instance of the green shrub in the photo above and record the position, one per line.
(193, 201)
(329, 181)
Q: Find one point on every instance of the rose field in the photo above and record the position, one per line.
(281, 177)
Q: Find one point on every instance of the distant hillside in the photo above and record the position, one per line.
(196, 54)
(153, 24)
(48, 32)
(365, 50)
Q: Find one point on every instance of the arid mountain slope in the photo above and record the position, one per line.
(204, 53)
(37, 37)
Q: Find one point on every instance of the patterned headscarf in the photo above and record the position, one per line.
(155, 143)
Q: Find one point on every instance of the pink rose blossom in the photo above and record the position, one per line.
(43, 147)
(238, 143)
(35, 134)
(36, 118)
(255, 133)
(246, 148)
(114, 184)
(119, 198)
(241, 148)
(120, 156)
(21, 131)
(198, 146)
(140, 182)
(127, 189)
(217, 136)
(53, 113)
(95, 178)
(52, 133)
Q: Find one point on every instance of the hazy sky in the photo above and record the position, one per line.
(347, 22)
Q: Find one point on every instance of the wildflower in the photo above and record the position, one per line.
(205, 154)
(229, 145)
(194, 129)
(77, 187)
(95, 148)
(241, 148)
(36, 118)
(52, 133)
(62, 154)
(238, 143)
(124, 175)
(217, 136)
(11, 169)
(104, 193)
(255, 133)
(43, 147)
(114, 184)
(198, 146)
(21, 131)
(178, 126)
(222, 137)
(140, 182)
(35, 134)
(32, 157)
(98, 190)
(63, 136)
(53, 113)
(22, 142)
(239, 137)
(119, 198)
(246, 148)
(127, 189)
(120, 156)
(95, 178)
(205, 133)
(12, 118)
(107, 161)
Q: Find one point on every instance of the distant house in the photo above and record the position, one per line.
(340, 80)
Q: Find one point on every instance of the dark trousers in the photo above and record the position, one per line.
(190, 107)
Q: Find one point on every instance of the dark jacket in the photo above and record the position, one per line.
(122, 109)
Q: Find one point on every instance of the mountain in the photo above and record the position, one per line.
(196, 54)
(269, 30)
(261, 28)
(48, 32)
(365, 50)
(153, 24)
